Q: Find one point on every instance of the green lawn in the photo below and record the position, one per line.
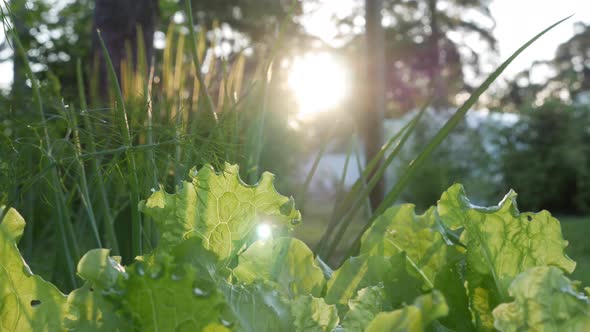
(577, 231)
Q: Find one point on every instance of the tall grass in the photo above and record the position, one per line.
(90, 143)
(82, 167)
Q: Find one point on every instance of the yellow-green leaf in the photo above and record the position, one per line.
(220, 209)
(27, 302)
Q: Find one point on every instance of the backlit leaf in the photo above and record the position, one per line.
(220, 209)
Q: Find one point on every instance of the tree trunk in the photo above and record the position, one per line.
(374, 95)
(437, 85)
(19, 87)
(118, 22)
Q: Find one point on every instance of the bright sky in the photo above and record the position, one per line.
(516, 22)
(519, 20)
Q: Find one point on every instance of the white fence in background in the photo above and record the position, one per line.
(330, 168)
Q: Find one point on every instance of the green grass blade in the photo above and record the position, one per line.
(364, 178)
(91, 144)
(323, 146)
(342, 206)
(152, 166)
(353, 193)
(197, 62)
(340, 190)
(339, 197)
(258, 132)
(393, 195)
(179, 172)
(136, 227)
(364, 195)
(150, 125)
(141, 70)
(83, 182)
(65, 238)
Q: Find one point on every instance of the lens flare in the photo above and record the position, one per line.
(264, 231)
(319, 82)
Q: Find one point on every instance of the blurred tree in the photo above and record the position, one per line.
(565, 77)
(56, 33)
(572, 61)
(428, 48)
(425, 52)
(428, 45)
(257, 19)
(18, 72)
(551, 136)
(545, 157)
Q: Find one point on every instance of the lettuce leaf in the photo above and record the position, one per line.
(412, 318)
(400, 229)
(288, 262)
(152, 294)
(27, 302)
(312, 314)
(258, 307)
(367, 303)
(395, 273)
(211, 273)
(172, 298)
(88, 309)
(286, 266)
(450, 281)
(544, 300)
(220, 209)
(501, 243)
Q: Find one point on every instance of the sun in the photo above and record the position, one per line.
(319, 81)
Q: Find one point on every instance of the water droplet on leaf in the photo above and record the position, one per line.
(156, 272)
(225, 323)
(178, 274)
(225, 315)
(202, 288)
(140, 269)
(27, 271)
(200, 292)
